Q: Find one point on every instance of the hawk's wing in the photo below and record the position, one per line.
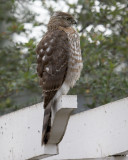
(52, 58)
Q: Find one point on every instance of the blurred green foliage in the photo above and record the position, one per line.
(103, 27)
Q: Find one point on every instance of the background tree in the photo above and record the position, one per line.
(18, 78)
(103, 26)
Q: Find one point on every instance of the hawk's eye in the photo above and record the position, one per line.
(68, 19)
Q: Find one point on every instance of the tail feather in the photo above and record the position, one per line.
(46, 131)
(46, 125)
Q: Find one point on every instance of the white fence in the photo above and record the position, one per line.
(99, 133)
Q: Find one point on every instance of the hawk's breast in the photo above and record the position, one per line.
(75, 63)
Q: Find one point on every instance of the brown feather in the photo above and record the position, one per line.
(53, 53)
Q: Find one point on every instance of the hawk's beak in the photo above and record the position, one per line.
(74, 21)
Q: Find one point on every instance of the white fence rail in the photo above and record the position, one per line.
(97, 133)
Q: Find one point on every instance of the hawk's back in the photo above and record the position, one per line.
(52, 58)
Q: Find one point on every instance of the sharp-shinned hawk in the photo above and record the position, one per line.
(59, 62)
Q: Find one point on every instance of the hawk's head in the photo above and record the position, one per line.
(62, 19)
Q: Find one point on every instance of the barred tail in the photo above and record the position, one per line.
(50, 100)
(46, 125)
